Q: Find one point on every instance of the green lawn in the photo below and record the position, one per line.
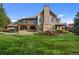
(38, 44)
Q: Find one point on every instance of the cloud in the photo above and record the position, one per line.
(14, 20)
(67, 20)
(60, 15)
(70, 22)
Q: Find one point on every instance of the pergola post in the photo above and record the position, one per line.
(36, 28)
(60, 27)
(18, 29)
(28, 28)
(57, 27)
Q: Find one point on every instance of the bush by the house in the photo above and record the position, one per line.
(49, 33)
(64, 31)
(3, 30)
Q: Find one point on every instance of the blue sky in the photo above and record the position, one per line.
(66, 11)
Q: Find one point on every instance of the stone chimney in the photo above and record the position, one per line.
(47, 20)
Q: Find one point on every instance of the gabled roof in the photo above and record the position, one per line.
(34, 17)
(53, 14)
(28, 18)
(50, 12)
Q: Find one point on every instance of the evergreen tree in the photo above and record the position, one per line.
(4, 19)
(76, 24)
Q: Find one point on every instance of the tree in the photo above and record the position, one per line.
(76, 24)
(4, 19)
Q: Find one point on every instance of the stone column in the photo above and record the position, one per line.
(57, 27)
(36, 29)
(38, 23)
(28, 28)
(54, 27)
(60, 27)
(18, 31)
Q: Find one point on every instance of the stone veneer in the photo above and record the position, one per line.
(47, 21)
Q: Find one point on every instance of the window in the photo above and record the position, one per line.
(25, 21)
(51, 19)
(41, 20)
(33, 21)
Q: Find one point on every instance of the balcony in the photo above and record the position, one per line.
(31, 22)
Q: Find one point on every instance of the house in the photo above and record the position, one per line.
(46, 20)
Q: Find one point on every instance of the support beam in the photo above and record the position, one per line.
(28, 28)
(18, 29)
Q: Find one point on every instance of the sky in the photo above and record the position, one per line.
(66, 11)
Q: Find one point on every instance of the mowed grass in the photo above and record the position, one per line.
(38, 44)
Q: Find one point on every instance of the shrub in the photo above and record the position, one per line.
(49, 33)
(3, 30)
(59, 31)
(64, 31)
